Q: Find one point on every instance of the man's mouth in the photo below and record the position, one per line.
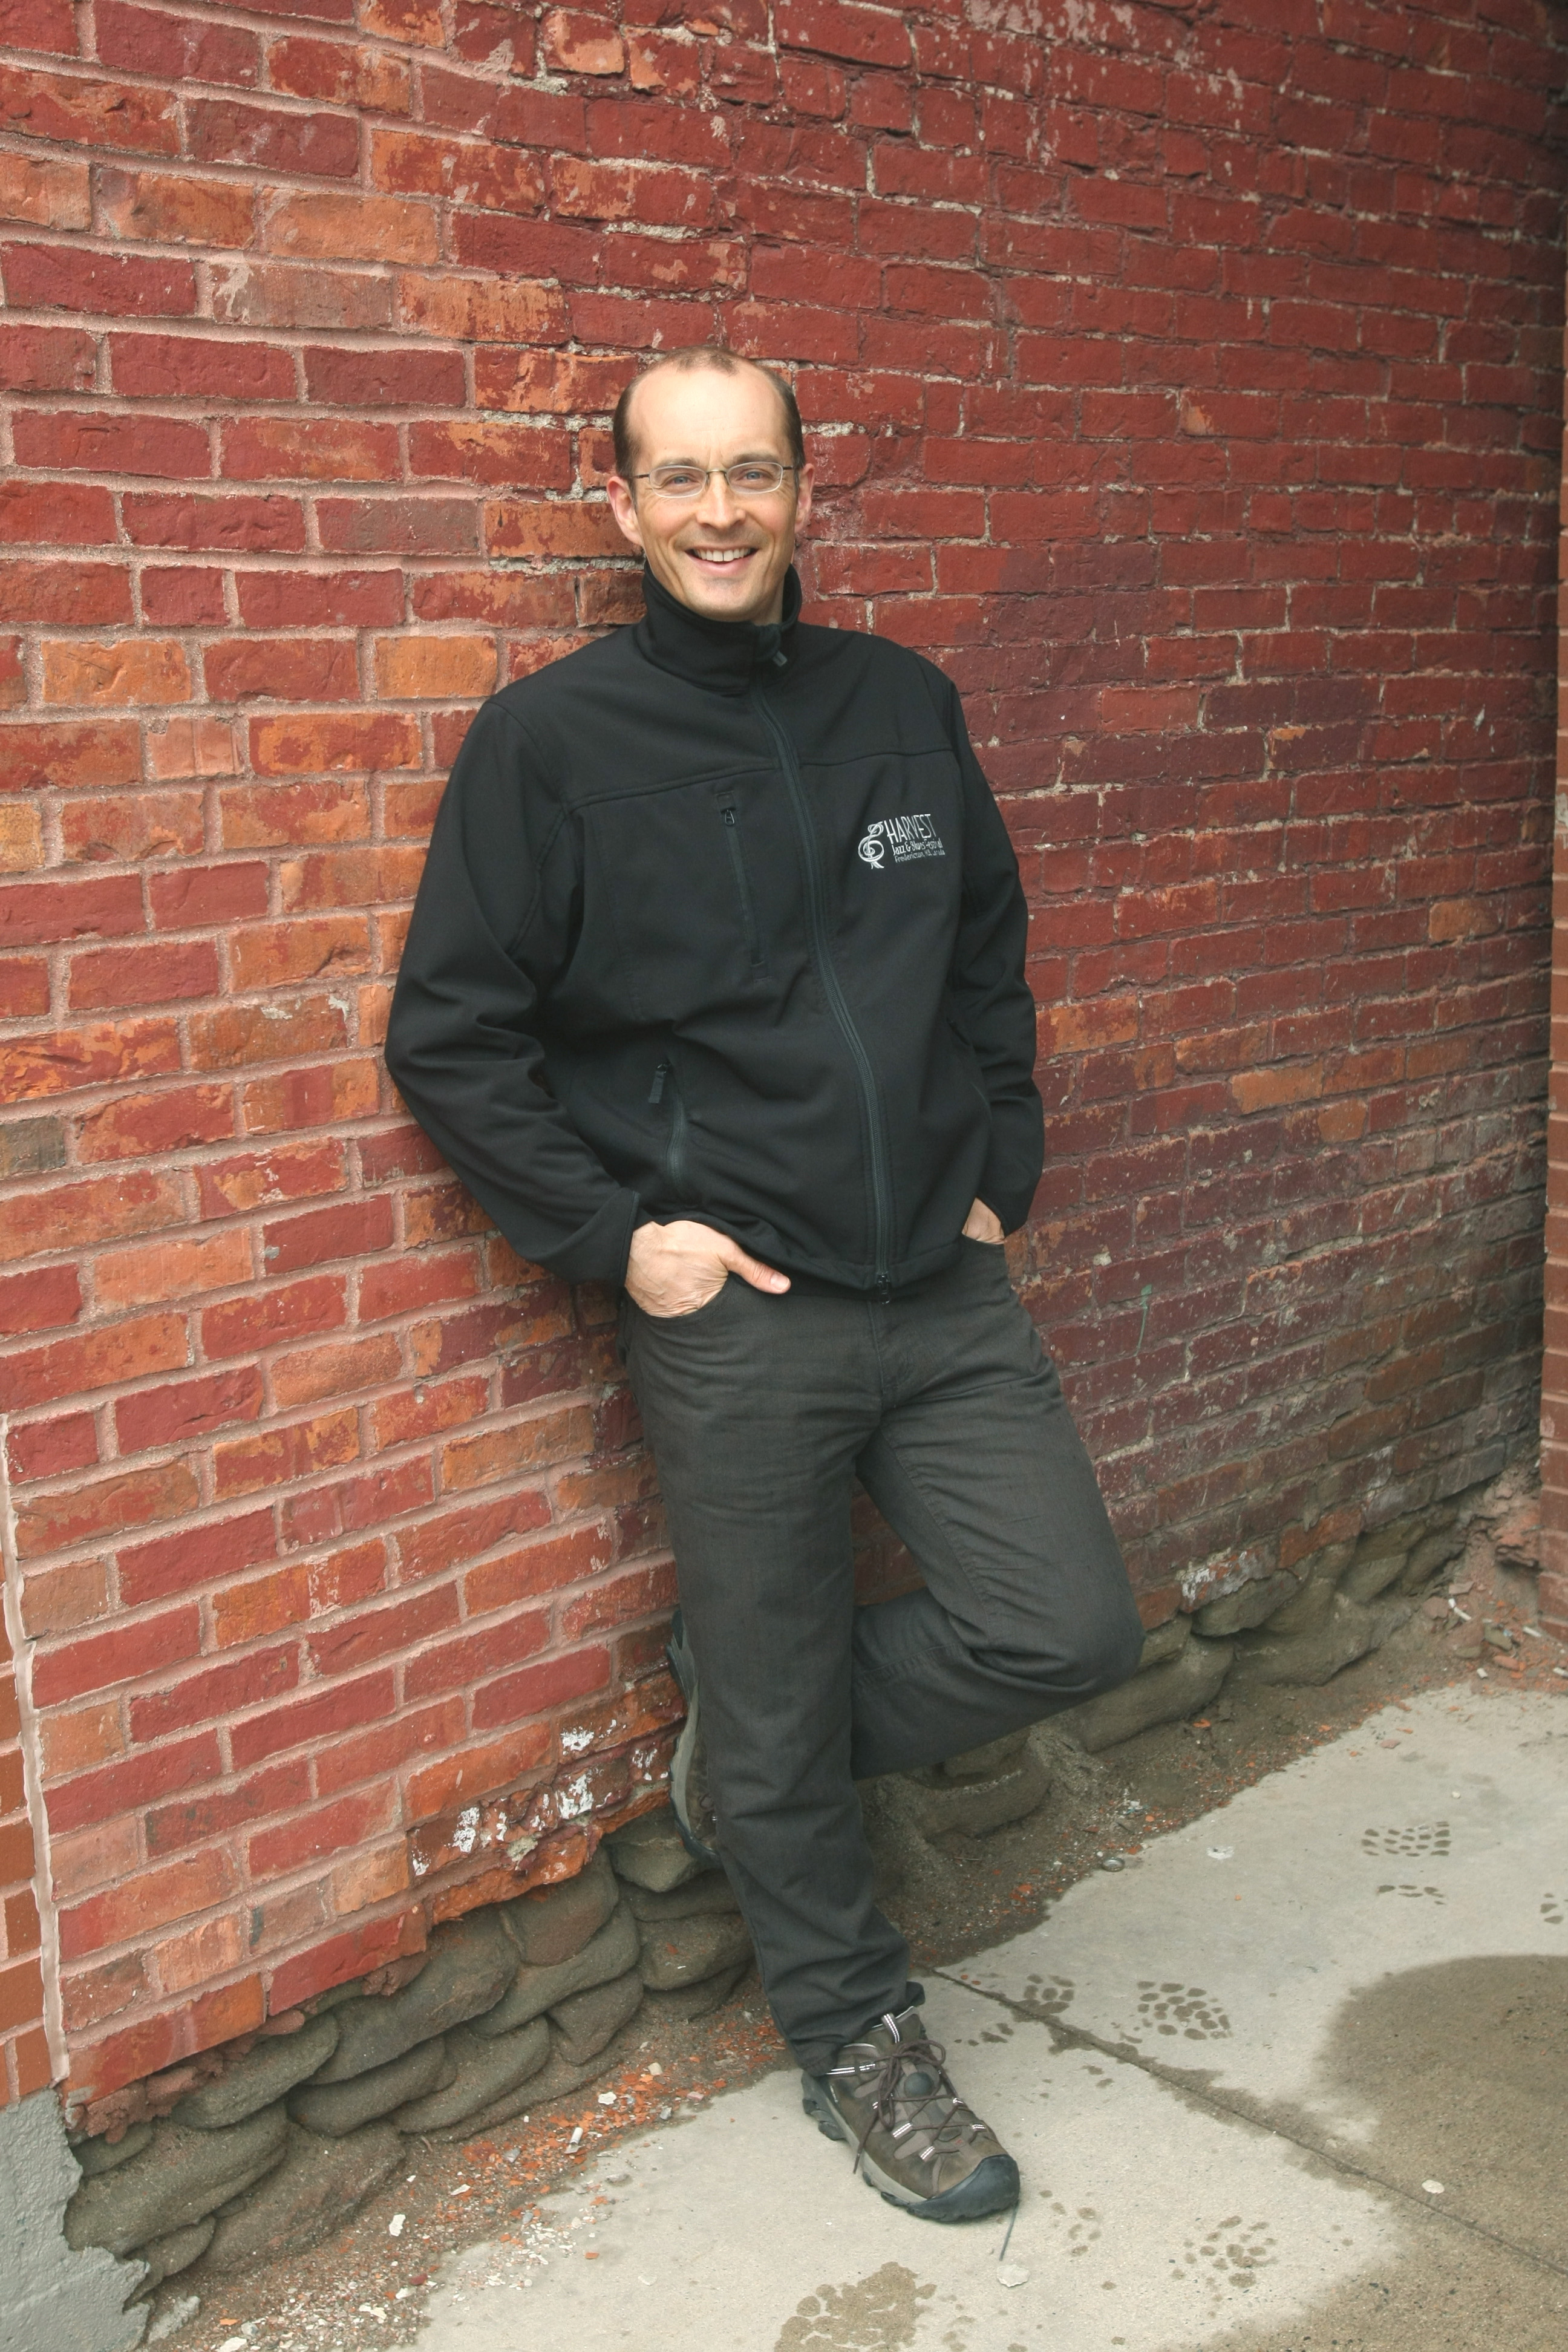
(720, 557)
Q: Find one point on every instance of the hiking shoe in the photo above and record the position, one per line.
(914, 2138)
(689, 1798)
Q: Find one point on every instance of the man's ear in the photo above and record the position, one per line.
(803, 481)
(624, 507)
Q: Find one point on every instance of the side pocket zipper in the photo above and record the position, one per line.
(675, 1148)
(732, 823)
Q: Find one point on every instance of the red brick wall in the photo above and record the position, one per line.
(1554, 1369)
(1191, 389)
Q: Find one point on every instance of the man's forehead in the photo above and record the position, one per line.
(692, 405)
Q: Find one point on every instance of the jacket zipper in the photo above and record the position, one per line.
(816, 911)
(742, 883)
(675, 1149)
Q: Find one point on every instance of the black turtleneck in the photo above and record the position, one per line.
(723, 655)
(720, 921)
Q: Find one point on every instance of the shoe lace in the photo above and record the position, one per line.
(913, 2075)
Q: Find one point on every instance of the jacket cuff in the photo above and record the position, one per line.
(598, 1252)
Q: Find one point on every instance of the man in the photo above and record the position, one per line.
(715, 990)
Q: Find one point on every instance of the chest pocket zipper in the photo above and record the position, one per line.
(675, 1148)
(729, 816)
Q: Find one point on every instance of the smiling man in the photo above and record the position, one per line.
(714, 991)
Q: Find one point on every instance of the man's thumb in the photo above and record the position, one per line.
(751, 1269)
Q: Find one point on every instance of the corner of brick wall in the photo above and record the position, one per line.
(1191, 390)
(25, 2063)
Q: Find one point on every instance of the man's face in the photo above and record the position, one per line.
(725, 557)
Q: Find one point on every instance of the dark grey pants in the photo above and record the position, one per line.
(761, 1412)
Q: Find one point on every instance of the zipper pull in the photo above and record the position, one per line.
(780, 659)
(656, 1092)
(727, 814)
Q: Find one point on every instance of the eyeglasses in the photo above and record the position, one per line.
(754, 477)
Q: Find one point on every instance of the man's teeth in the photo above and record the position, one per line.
(722, 554)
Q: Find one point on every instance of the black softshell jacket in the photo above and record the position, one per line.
(722, 921)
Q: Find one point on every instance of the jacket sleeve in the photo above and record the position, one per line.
(492, 926)
(991, 998)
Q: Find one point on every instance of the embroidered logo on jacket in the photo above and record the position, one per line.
(902, 838)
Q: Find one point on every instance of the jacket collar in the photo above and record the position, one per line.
(723, 656)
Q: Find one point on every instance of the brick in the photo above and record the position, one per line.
(268, 817)
(45, 1449)
(127, 1785)
(153, 1343)
(313, 1098)
(147, 1645)
(130, 1126)
(271, 139)
(251, 526)
(121, 285)
(211, 1693)
(389, 526)
(111, 444)
(130, 825)
(143, 975)
(303, 1721)
(327, 227)
(176, 48)
(496, 178)
(155, 1272)
(258, 448)
(340, 74)
(149, 1900)
(556, 526)
(66, 1216)
(282, 669)
(246, 1324)
(46, 359)
(40, 1301)
(180, 1411)
(481, 310)
(553, 1683)
(55, 514)
(293, 295)
(135, 670)
(270, 600)
(239, 1035)
(435, 667)
(275, 1456)
(88, 111)
(414, 378)
(46, 193)
(174, 367)
(58, 1600)
(577, 42)
(197, 1556)
(318, 745)
(82, 595)
(312, 1373)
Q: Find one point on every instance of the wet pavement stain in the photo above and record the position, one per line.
(877, 2313)
(1461, 2070)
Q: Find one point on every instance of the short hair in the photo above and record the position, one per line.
(722, 362)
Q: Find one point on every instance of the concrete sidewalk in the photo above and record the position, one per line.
(1296, 2080)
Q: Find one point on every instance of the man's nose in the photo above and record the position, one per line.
(718, 506)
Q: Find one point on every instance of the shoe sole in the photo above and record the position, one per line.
(685, 1749)
(992, 2187)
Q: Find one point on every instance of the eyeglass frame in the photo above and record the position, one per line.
(709, 471)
